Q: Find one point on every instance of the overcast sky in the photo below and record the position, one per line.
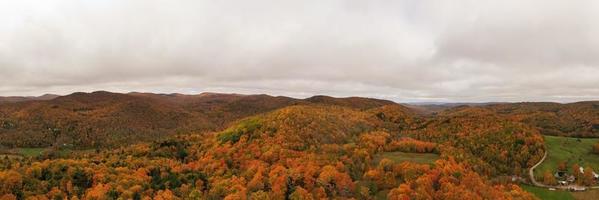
(414, 50)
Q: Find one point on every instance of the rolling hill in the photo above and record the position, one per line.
(307, 150)
(580, 119)
(107, 119)
(13, 99)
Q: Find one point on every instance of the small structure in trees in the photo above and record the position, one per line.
(560, 174)
(571, 179)
(563, 182)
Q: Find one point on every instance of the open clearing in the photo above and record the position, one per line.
(587, 195)
(396, 156)
(22, 152)
(545, 194)
(34, 152)
(31, 152)
(572, 150)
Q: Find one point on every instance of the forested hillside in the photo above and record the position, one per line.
(104, 145)
(21, 98)
(579, 119)
(89, 120)
(307, 149)
(492, 144)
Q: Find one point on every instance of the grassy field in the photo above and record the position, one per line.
(427, 158)
(587, 195)
(571, 150)
(31, 152)
(546, 194)
(10, 156)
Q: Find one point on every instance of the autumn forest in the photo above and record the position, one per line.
(104, 145)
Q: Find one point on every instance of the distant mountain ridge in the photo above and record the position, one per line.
(28, 98)
(104, 118)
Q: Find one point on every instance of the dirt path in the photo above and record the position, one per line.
(538, 184)
(532, 174)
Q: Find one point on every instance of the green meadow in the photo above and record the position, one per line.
(569, 149)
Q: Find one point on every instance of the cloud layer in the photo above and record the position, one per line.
(407, 50)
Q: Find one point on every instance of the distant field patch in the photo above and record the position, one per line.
(586, 195)
(546, 194)
(572, 150)
(398, 157)
(31, 152)
(10, 156)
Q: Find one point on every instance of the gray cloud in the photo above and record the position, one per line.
(405, 50)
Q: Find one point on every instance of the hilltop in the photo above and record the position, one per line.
(580, 119)
(12, 99)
